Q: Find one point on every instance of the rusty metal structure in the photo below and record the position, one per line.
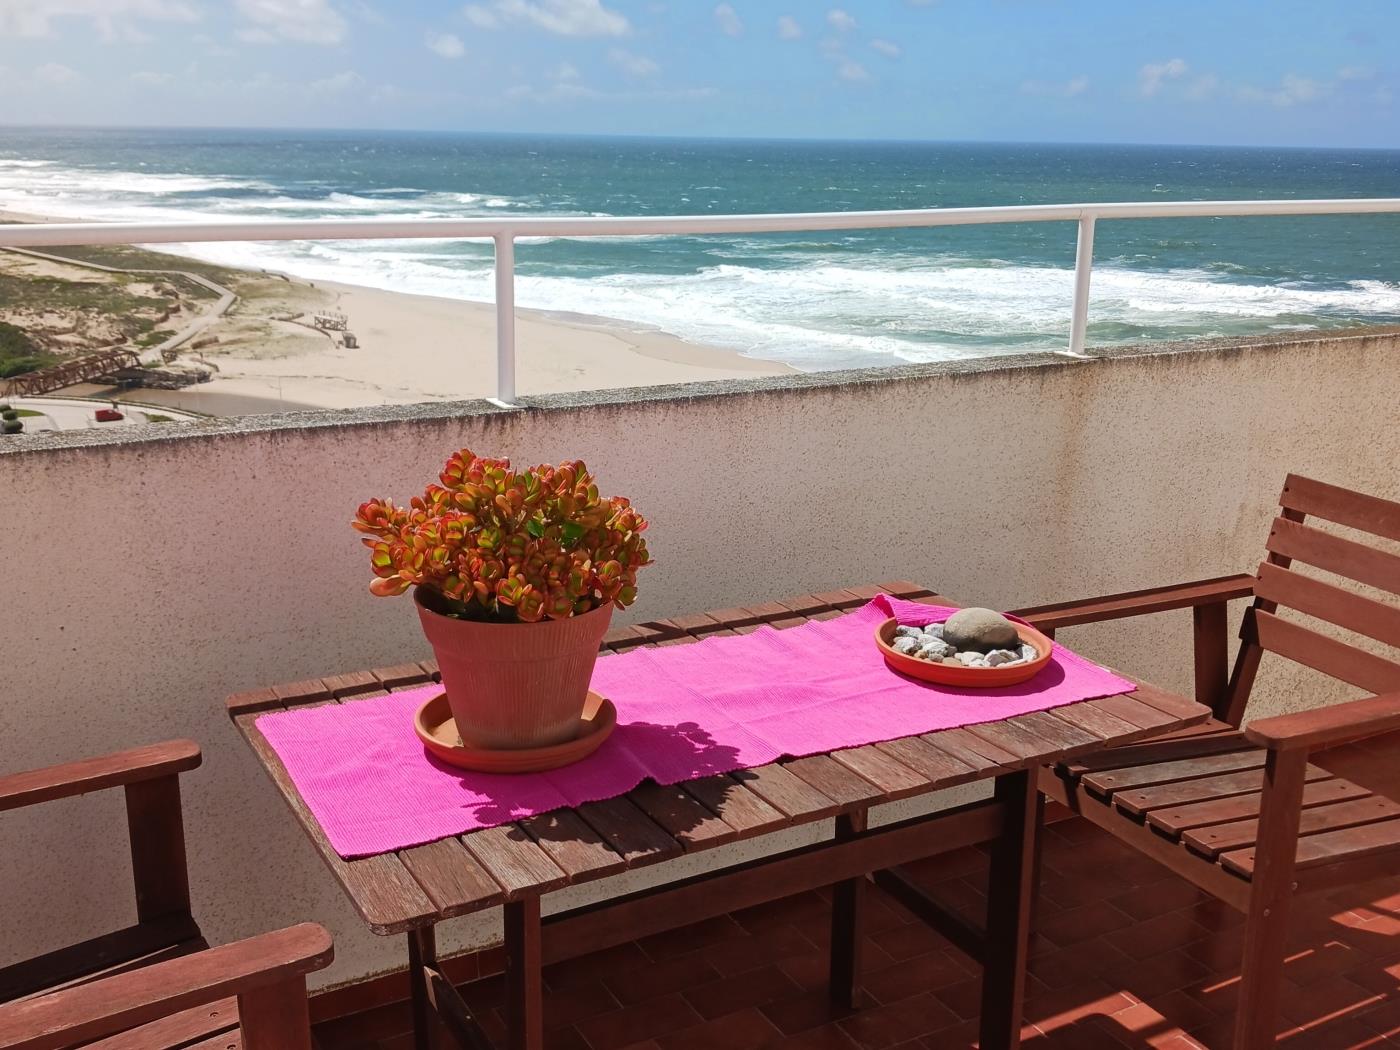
(78, 370)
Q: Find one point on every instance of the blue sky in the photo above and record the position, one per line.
(1287, 72)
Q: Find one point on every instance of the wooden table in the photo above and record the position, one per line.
(513, 866)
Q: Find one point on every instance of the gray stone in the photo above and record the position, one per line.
(997, 657)
(906, 645)
(903, 631)
(980, 630)
(934, 630)
(934, 649)
(969, 658)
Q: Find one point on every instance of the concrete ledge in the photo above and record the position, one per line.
(445, 411)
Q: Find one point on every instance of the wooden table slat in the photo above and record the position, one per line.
(452, 878)
(633, 834)
(787, 792)
(839, 783)
(973, 750)
(1104, 724)
(352, 684)
(578, 850)
(381, 888)
(938, 766)
(401, 676)
(883, 770)
(1130, 709)
(735, 804)
(514, 860)
(686, 819)
(303, 692)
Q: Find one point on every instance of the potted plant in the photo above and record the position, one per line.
(515, 576)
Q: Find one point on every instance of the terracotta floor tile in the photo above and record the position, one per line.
(923, 973)
(827, 1037)
(801, 1013)
(631, 1024)
(1126, 957)
(691, 938)
(764, 985)
(878, 1027)
(662, 978)
(1075, 925)
(744, 1030)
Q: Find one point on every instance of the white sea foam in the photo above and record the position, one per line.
(815, 303)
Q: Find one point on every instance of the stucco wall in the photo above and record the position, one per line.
(147, 578)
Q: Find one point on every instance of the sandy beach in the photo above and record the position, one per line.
(415, 348)
(411, 348)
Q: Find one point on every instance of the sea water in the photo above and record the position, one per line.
(818, 300)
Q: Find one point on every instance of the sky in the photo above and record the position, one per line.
(1247, 72)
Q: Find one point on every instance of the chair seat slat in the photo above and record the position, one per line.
(1136, 802)
(1329, 847)
(1107, 781)
(1366, 809)
(1177, 820)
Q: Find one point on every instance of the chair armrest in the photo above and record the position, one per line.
(93, 774)
(1327, 726)
(1139, 603)
(90, 1011)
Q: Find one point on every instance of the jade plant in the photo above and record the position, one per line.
(493, 543)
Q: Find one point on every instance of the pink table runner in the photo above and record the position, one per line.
(684, 711)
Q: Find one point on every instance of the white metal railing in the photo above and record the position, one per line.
(503, 232)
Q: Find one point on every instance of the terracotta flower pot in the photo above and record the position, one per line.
(515, 685)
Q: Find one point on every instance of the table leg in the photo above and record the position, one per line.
(1010, 892)
(422, 951)
(847, 915)
(524, 995)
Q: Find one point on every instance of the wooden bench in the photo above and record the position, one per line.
(1242, 813)
(157, 983)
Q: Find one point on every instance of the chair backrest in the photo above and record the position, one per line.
(1293, 538)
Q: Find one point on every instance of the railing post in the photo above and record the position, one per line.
(1083, 269)
(505, 317)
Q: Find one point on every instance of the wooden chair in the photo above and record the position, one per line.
(1242, 813)
(157, 983)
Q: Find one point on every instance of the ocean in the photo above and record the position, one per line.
(816, 301)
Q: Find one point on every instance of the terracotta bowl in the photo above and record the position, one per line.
(438, 731)
(965, 677)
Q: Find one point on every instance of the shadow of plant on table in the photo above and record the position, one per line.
(687, 748)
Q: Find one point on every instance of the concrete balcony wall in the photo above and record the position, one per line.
(150, 573)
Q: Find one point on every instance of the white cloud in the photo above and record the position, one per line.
(1356, 73)
(447, 45)
(149, 79)
(561, 17)
(304, 21)
(850, 69)
(1056, 88)
(565, 71)
(337, 84)
(1154, 75)
(841, 21)
(730, 24)
(788, 29)
(56, 73)
(631, 64)
(1202, 87)
(888, 48)
(112, 19)
(1292, 90)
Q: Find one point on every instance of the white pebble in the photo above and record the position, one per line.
(1028, 653)
(907, 645)
(904, 631)
(972, 659)
(997, 657)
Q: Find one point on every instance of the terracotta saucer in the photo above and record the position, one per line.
(434, 725)
(966, 677)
